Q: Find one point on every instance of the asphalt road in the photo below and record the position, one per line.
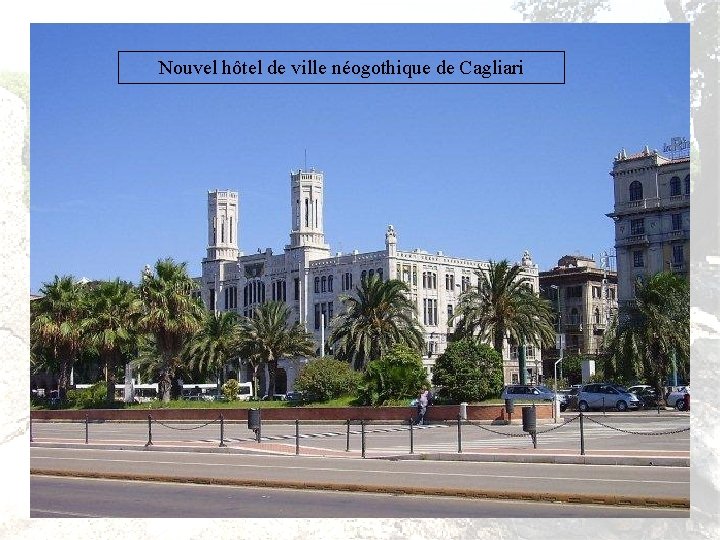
(615, 431)
(53, 497)
(537, 478)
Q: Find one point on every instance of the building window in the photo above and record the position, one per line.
(596, 316)
(371, 273)
(330, 313)
(363, 274)
(636, 191)
(380, 273)
(638, 259)
(414, 275)
(317, 316)
(330, 284)
(449, 282)
(573, 292)
(687, 185)
(675, 186)
(317, 284)
(676, 222)
(307, 212)
(574, 316)
(297, 288)
(211, 307)
(678, 255)
(450, 315)
(323, 281)
(464, 283)
(637, 226)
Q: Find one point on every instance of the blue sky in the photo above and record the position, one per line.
(120, 172)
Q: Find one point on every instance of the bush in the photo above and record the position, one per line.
(230, 389)
(88, 398)
(468, 371)
(399, 375)
(327, 378)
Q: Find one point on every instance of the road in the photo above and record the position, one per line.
(84, 498)
(614, 431)
(467, 478)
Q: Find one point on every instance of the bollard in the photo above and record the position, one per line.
(297, 437)
(362, 437)
(86, 429)
(529, 419)
(463, 410)
(149, 443)
(603, 405)
(31, 439)
(459, 435)
(582, 436)
(412, 448)
(222, 431)
(347, 437)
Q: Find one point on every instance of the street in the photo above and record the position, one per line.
(55, 497)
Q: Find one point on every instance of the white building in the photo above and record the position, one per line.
(310, 279)
(652, 217)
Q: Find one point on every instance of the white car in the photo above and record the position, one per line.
(678, 398)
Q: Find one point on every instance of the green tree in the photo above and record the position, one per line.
(212, 347)
(378, 316)
(170, 314)
(327, 378)
(55, 325)
(397, 375)
(504, 304)
(113, 308)
(468, 371)
(652, 332)
(268, 336)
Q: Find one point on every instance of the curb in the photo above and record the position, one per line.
(613, 500)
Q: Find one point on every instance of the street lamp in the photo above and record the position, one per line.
(561, 348)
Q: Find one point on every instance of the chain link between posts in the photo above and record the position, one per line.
(565, 423)
(673, 432)
(186, 428)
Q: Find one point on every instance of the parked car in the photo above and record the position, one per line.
(648, 397)
(606, 395)
(531, 392)
(680, 398)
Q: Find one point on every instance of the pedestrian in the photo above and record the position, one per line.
(422, 404)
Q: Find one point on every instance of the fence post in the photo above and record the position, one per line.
(582, 436)
(31, 439)
(412, 449)
(603, 405)
(149, 443)
(347, 437)
(297, 437)
(362, 437)
(459, 418)
(86, 429)
(222, 430)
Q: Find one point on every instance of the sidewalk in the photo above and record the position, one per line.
(485, 454)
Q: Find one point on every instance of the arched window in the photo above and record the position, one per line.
(371, 273)
(330, 284)
(323, 284)
(317, 284)
(687, 185)
(597, 316)
(363, 274)
(675, 186)
(636, 191)
(380, 273)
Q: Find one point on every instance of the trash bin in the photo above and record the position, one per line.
(529, 419)
(254, 419)
(509, 406)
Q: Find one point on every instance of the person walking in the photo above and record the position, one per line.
(422, 404)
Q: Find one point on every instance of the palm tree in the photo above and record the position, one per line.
(653, 331)
(110, 325)
(214, 344)
(378, 316)
(504, 305)
(268, 337)
(170, 314)
(55, 325)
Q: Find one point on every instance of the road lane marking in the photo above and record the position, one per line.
(364, 471)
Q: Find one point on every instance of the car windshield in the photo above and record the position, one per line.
(544, 388)
(621, 389)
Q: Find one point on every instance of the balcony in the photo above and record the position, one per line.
(634, 206)
(676, 200)
(677, 235)
(633, 239)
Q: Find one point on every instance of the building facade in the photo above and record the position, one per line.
(310, 279)
(652, 217)
(584, 298)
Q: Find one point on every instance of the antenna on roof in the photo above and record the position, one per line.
(306, 160)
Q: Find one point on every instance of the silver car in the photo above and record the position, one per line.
(606, 396)
(533, 392)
